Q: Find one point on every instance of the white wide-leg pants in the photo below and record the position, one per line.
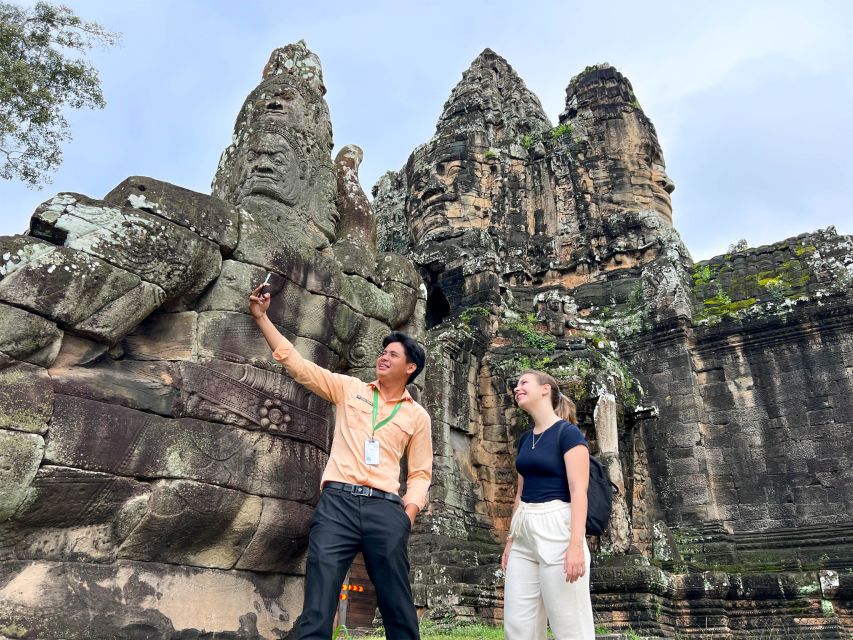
(535, 586)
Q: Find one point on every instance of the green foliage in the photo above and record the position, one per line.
(775, 287)
(432, 631)
(527, 141)
(559, 131)
(702, 274)
(635, 103)
(721, 306)
(38, 79)
(474, 312)
(341, 633)
(534, 338)
(524, 362)
(490, 154)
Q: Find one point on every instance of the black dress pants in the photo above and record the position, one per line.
(343, 525)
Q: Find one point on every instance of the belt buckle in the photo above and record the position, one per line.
(361, 490)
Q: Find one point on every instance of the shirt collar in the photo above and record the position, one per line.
(406, 395)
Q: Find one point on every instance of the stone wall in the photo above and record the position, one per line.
(717, 391)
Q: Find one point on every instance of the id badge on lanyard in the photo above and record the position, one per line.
(371, 445)
(371, 451)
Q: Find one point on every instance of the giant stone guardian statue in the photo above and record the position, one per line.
(158, 470)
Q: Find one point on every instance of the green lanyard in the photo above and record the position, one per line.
(376, 427)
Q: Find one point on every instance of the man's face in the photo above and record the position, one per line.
(391, 365)
(272, 168)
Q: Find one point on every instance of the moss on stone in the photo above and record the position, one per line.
(721, 306)
(722, 291)
(13, 630)
(533, 337)
(471, 313)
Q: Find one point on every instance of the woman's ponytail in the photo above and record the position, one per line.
(566, 409)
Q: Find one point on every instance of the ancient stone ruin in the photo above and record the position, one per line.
(158, 469)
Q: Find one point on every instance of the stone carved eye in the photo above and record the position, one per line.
(278, 158)
(251, 156)
(452, 172)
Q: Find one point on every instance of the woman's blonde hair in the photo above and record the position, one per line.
(563, 405)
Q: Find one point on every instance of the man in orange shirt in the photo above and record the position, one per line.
(360, 508)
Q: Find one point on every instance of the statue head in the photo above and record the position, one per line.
(623, 162)
(279, 167)
(637, 168)
(442, 178)
(456, 180)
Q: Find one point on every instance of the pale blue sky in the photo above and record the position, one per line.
(751, 100)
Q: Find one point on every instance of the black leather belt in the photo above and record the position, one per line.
(361, 490)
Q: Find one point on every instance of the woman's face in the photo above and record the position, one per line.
(528, 392)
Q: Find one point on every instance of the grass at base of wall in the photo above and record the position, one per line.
(431, 631)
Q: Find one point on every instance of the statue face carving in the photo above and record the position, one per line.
(661, 187)
(640, 174)
(438, 180)
(282, 100)
(272, 168)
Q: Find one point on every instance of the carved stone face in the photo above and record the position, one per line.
(638, 173)
(443, 180)
(283, 101)
(269, 166)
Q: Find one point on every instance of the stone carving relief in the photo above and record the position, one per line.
(145, 427)
(553, 247)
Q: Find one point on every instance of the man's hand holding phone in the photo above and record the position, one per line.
(259, 300)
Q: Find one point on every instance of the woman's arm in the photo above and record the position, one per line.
(577, 470)
(508, 544)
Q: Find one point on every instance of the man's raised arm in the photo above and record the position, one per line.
(323, 382)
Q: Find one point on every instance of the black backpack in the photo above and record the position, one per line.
(599, 495)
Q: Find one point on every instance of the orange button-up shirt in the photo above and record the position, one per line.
(408, 432)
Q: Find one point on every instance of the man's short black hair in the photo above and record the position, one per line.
(414, 352)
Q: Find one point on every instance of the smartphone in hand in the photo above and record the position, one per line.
(266, 283)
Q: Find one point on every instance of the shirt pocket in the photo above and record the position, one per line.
(397, 433)
(359, 416)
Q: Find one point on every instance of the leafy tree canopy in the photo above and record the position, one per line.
(42, 72)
